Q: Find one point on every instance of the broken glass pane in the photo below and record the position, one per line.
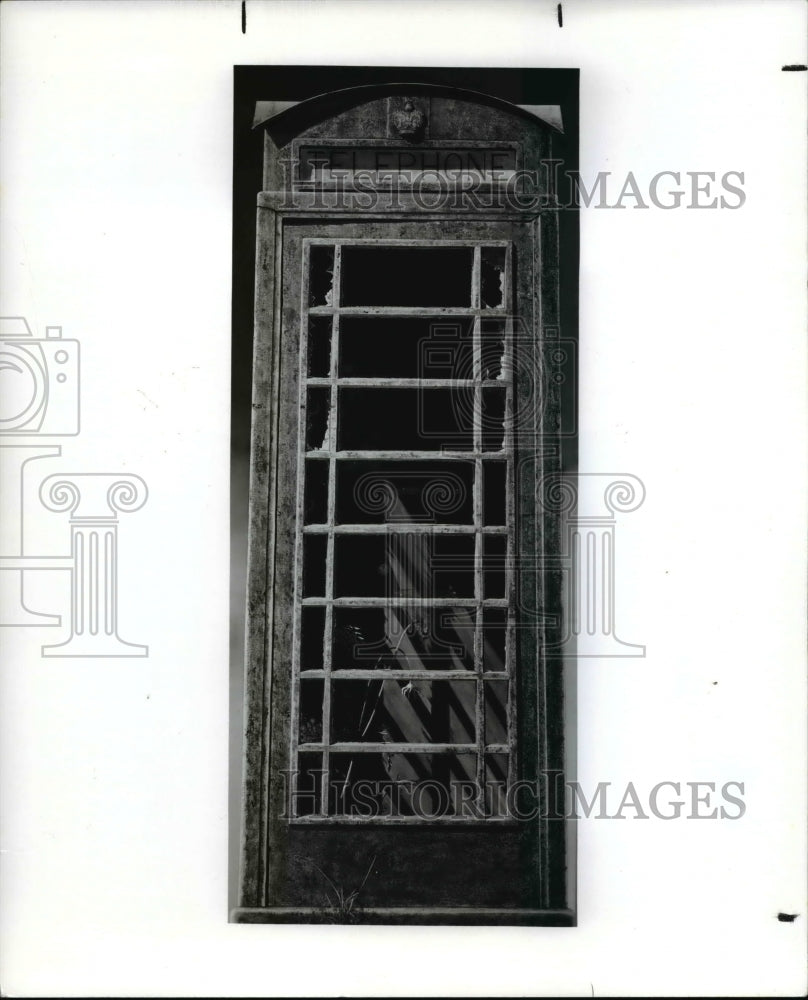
(318, 408)
(492, 277)
(321, 276)
(493, 358)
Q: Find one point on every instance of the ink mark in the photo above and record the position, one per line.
(244, 17)
(787, 918)
(560, 16)
(793, 68)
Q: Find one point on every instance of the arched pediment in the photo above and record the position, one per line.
(287, 119)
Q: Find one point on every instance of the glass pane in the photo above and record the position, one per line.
(494, 634)
(359, 637)
(315, 495)
(494, 548)
(412, 566)
(453, 638)
(399, 711)
(492, 277)
(319, 347)
(448, 351)
(434, 492)
(318, 404)
(321, 276)
(314, 549)
(453, 559)
(361, 566)
(493, 360)
(312, 630)
(311, 711)
(306, 785)
(405, 420)
(405, 347)
(403, 638)
(403, 784)
(494, 493)
(493, 419)
(496, 702)
(406, 276)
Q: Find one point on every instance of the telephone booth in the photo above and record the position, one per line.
(404, 708)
